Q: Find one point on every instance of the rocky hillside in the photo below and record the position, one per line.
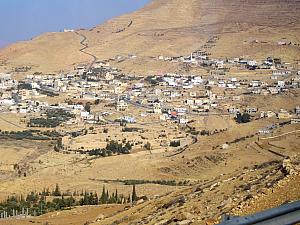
(249, 191)
(171, 27)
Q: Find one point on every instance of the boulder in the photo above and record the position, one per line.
(184, 222)
(211, 222)
(287, 167)
(100, 217)
(180, 200)
(183, 216)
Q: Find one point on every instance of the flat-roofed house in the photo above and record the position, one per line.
(122, 106)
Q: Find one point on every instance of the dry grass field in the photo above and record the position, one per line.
(203, 164)
(11, 122)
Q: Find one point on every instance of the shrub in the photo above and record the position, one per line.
(175, 143)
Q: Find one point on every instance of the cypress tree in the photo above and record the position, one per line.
(116, 196)
(129, 199)
(47, 192)
(56, 192)
(91, 199)
(85, 199)
(96, 200)
(44, 192)
(112, 198)
(103, 198)
(134, 197)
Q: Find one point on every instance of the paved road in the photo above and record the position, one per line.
(85, 46)
(281, 135)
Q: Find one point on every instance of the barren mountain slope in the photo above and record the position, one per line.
(49, 52)
(172, 27)
(177, 27)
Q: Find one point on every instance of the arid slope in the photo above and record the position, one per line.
(172, 27)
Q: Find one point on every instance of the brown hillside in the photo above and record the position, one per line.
(173, 27)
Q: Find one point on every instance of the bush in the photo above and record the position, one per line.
(175, 143)
(243, 118)
(130, 129)
(147, 146)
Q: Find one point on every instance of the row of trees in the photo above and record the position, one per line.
(37, 203)
(160, 182)
(131, 129)
(30, 134)
(54, 117)
(112, 148)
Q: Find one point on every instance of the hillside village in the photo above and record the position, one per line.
(126, 133)
(99, 99)
(100, 95)
(179, 98)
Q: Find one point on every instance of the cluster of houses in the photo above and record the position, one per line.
(176, 97)
(282, 73)
(6, 82)
(201, 58)
(282, 114)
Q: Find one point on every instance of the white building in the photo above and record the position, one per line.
(157, 108)
(281, 83)
(122, 106)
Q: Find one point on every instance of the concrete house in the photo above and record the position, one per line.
(7, 102)
(297, 110)
(197, 80)
(157, 108)
(273, 90)
(233, 110)
(128, 119)
(221, 84)
(295, 121)
(122, 106)
(283, 114)
(256, 83)
(183, 120)
(193, 94)
(181, 110)
(251, 110)
(231, 85)
(281, 83)
(190, 102)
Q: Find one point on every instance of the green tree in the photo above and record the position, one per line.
(104, 197)
(56, 192)
(87, 107)
(243, 118)
(134, 196)
(116, 196)
(147, 146)
(128, 146)
(246, 118)
(175, 143)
